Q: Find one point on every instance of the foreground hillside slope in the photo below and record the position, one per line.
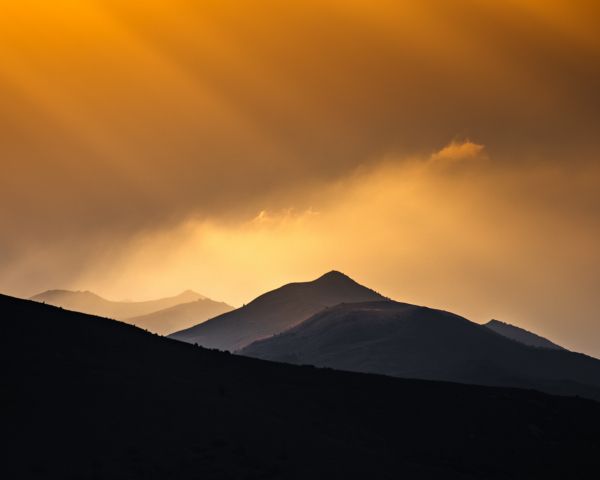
(276, 311)
(93, 398)
(417, 342)
(521, 335)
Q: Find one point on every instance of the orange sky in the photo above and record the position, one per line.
(444, 153)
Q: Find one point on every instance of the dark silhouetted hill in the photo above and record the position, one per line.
(180, 316)
(276, 311)
(417, 342)
(90, 398)
(521, 335)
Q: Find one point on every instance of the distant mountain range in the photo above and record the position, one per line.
(409, 341)
(161, 316)
(335, 322)
(521, 335)
(88, 397)
(276, 311)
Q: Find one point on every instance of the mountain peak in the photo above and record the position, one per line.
(334, 275)
(190, 294)
(277, 310)
(493, 322)
(56, 293)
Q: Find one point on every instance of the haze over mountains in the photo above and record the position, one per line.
(276, 311)
(180, 316)
(89, 397)
(163, 316)
(409, 341)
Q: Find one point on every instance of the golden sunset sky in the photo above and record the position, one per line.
(442, 152)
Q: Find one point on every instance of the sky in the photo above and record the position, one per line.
(442, 153)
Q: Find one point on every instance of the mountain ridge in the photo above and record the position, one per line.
(89, 302)
(521, 335)
(410, 341)
(275, 311)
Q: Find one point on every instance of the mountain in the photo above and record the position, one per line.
(521, 335)
(409, 341)
(88, 397)
(93, 304)
(180, 316)
(276, 311)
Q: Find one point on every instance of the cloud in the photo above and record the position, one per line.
(137, 155)
(486, 240)
(456, 152)
(285, 216)
(515, 240)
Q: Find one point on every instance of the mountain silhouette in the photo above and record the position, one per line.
(93, 304)
(521, 335)
(88, 397)
(276, 311)
(409, 341)
(180, 316)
